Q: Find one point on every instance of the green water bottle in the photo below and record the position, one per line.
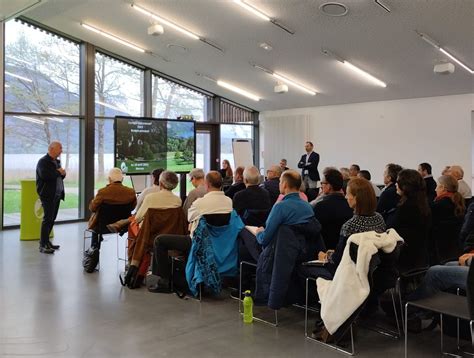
(248, 308)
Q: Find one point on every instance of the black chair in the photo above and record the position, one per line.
(444, 243)
(450, 305)
(108, 214)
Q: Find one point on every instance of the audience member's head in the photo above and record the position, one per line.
(445, 171)
(273, 172)
(168, 180)
(308, 146)
(456, 171)
(115, 175)
(331, 181)
(365, 174)
(239, 174)
(251, 176)
(196, 176)
(227, 167)
(390, 173)
(155, 174)
(360, 196)
(213, 181)
(448, 185)
(424, 169)
(283, 164)
(290, 182)
(354, 170)
(412, 188)
(345, 173)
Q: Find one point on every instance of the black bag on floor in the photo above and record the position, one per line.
(91, 259)
(178, 277)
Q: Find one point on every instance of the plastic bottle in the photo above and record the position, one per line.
(248, 307)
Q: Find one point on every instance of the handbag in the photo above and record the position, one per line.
(90, 259)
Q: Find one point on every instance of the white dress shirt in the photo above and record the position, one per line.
(214, 202)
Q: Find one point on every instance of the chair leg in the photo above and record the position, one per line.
(406, 329)
(396, 314)
(441, 329)
(472, 332)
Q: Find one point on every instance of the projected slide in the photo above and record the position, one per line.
(143, 144)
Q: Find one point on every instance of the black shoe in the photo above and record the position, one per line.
(46, 250)
(160, 287)
(54, 247)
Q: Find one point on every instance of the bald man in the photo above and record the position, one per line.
(50, 188)
(272, 184)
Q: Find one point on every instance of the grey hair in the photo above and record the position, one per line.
(251, 175)
(169, 180)
(197, 173)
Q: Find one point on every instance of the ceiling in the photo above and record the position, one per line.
(384, 44)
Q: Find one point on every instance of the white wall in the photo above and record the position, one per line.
(435, 129)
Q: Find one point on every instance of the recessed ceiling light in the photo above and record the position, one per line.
(265, 46)
(333, 9)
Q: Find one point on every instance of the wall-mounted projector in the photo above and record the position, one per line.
(280, 88)
(156, 30)
(444, 68)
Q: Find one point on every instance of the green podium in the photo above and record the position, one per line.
(31, 211)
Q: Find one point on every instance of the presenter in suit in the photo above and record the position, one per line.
(309, 166)
(50, 188)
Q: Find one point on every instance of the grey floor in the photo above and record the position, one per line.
(49, 307)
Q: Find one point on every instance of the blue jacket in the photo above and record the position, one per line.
(277, 264)
(290, 211)
(214, 253)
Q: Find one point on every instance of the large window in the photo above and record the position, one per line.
(41, 105)
(172, 100)
(229, 132)
(118, 91)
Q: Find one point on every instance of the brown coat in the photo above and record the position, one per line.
(156, 221)
(114, 193)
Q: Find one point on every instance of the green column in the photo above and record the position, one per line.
(31, 211)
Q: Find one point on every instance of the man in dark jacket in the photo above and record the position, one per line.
(309, 167)
(238, 183)
(425, 170)
(50, 188)
(272, 184)
(389, 198)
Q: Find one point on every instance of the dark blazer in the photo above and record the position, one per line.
(332, 212)
(312, 168)
(253, 198)
(430, 189)
(273, 188)
(47, 176)
(388, 201)
(234, 189)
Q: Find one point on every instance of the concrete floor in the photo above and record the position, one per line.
(49, 307)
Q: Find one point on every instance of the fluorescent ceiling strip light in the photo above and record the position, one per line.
(364, 74)
(113, 37)
(238, 90)
(252, 10)
(166, 22)
(18, 76)
(31, 120)
(292, 83)
(436, 45)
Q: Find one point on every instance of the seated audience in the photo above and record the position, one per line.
(238, 183)
(290, 211)
(303, 196)
(389, 198)
(361, 198)
(227, 174)
(346, 176)
(425, 170)
(253, 197)
(366, 175)
(332, 211)
(463, 188)
(448, 203)
(114, 193)
(155, 174)
(272, 183)
(445, 171)
(412, 220)
(283, 165)
(214, 202)
(196, 176)
(354, 171)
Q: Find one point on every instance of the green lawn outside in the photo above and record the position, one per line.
(12, 201)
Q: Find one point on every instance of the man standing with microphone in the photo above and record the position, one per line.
(50, 188)
(309, 165)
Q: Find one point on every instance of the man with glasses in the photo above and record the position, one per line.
(272, 184)
(196, 176)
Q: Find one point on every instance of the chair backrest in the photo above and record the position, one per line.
(217, 219)
(470, 290)
(110, 213)
(254, 217)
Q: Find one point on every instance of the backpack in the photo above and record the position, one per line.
(90, 259)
